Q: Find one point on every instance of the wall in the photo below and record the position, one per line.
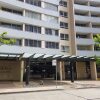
(10, 70)
(81, 70)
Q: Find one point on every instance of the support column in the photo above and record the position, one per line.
(22, 71)
(60, 70)
(28, 72)
(72, 71)
(93, 70)
(63, 70)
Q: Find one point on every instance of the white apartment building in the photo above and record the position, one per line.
(87, 24)
(33, 23)
(57, 29)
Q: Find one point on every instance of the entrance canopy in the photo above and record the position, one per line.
(10, 55)
(45, 56)
(57, 57)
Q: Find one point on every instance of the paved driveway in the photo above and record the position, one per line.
(76, 94)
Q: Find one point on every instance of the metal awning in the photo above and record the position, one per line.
(46, 56)
(58, 57)
(10, 55)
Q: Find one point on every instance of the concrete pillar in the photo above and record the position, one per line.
(23, 42)
(60, 70)
(93, 70)
(60, 67)
(63, 70)
(43, 44)
(22, 71)
(81, 70)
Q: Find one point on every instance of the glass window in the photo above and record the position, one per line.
(34, 2)
(33, 15)
(63, 3)
(12, 11)
(63, 25)
(9, 25)
(48, 31)
(56, 33)
(51, 6)
(32, 43)
(51, 19)
(65, 49)
(63, 14)
(52, 45)
(64, 36)
(34, 29)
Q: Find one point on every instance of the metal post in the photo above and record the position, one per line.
(56, 74)
(27, 72)
(71, 71)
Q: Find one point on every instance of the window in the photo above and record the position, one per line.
(33, 15)
(21, 0)
(63, 25)
(81, 36)
(31, 28)
(51, 6)
(51, 19)
(12, 11)
(56, 33)
(63, 14)
(65, 49)
(32, 43)
(51, 32)
(63, 3)
(85, 47)
(34, 2)
(52, 45)
(9, 25)
(48, 31)
(64, 36)
(18, 42)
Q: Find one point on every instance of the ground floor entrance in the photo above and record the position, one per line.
(42, 69)
(16, 68)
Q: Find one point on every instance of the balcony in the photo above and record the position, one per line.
(18, 49)
(81, 41)
(86, 8)
(86, 30)
(28, 35)
(21, 19)
(95, 1)
(21, 5)
(80, 18)
(88, 53)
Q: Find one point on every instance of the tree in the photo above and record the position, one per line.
(97, 44)
(4, 40)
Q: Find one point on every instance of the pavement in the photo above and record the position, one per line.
(76, 94)
(30, 89)
(48, 85)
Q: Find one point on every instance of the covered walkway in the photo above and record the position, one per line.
(58, 60)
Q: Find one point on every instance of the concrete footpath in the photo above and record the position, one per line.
(30, 89)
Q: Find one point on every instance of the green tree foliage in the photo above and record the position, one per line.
(4, 40)
(97, 40)
(97, 60)
(97, 43)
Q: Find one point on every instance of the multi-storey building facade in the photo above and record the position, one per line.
(50, 27)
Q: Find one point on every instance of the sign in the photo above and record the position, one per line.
(54, 63)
